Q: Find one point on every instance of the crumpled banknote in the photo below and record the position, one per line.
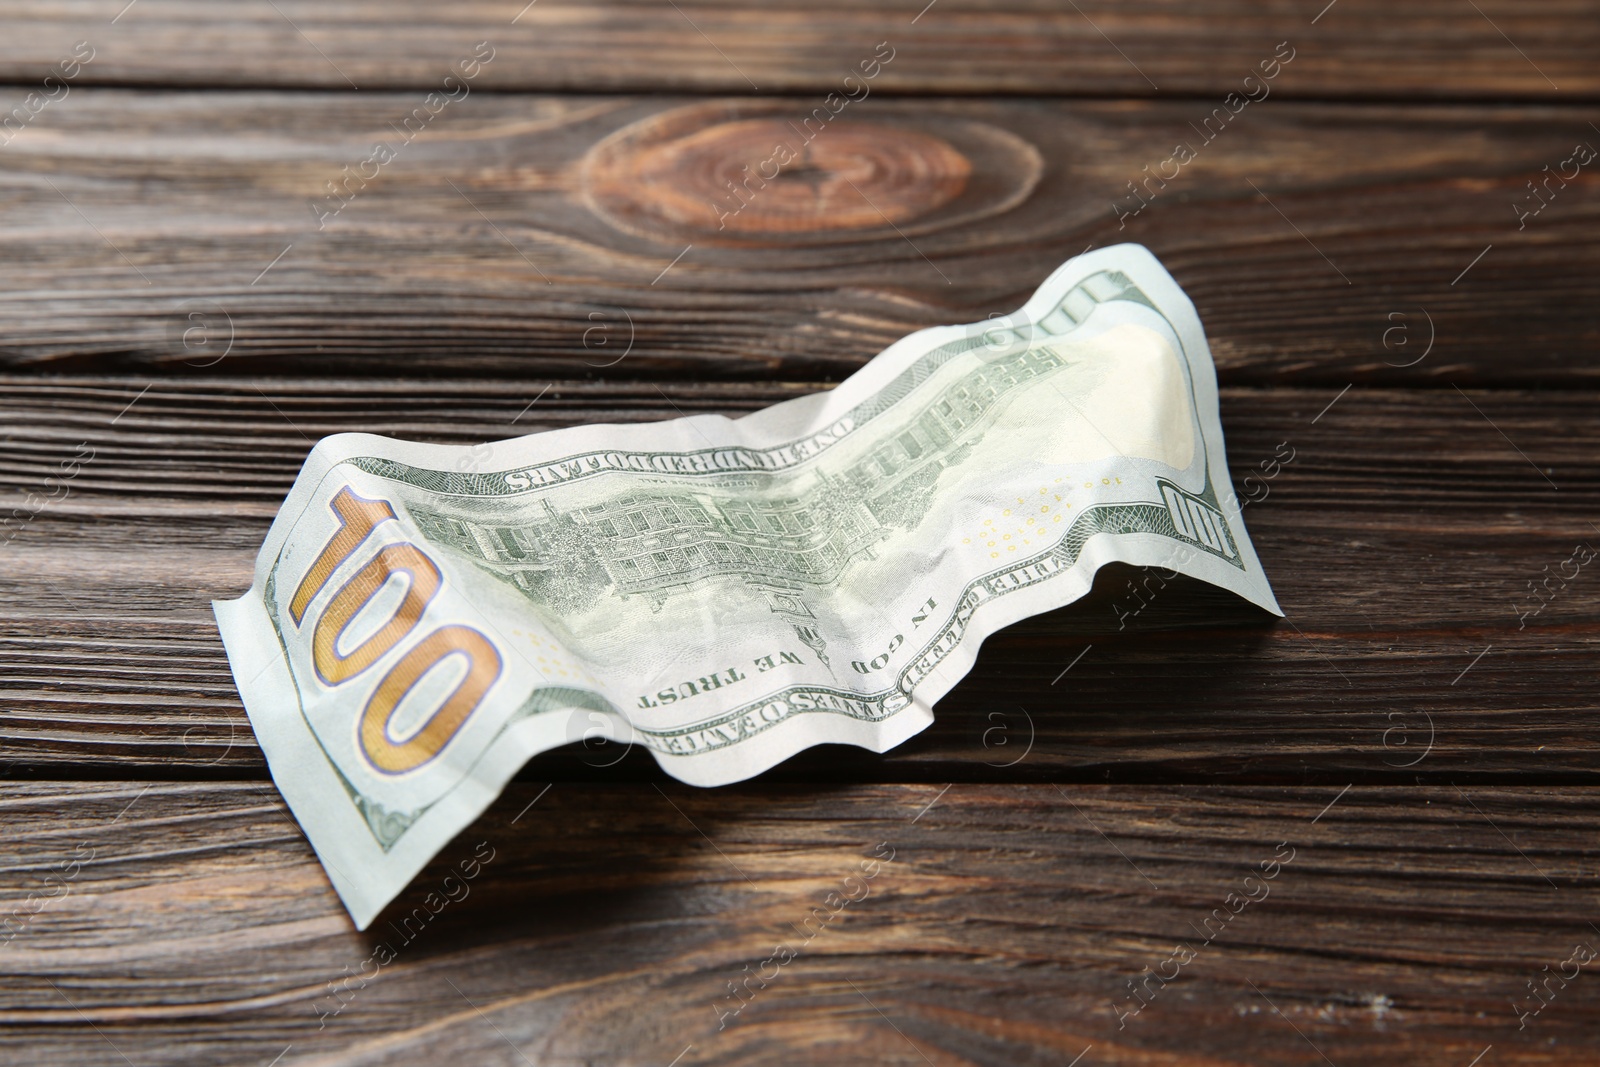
(724, 592)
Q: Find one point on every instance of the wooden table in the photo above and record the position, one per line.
(1393, 244)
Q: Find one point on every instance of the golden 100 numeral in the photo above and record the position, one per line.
(358, 517)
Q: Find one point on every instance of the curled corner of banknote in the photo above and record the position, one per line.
(726, 593)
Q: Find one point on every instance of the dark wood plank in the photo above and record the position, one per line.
(1359, 48)
(190, 924)
(578, 236)
(1403, 540)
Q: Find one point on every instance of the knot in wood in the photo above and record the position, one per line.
(710, 173)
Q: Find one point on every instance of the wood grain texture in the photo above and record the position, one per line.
(191, 924)
(1403, 539)
(1357, 48)
(226, 276)
(543, 235)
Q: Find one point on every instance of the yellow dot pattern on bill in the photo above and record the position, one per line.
(1024, 524)
(552, 662)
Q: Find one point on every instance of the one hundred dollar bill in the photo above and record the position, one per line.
(724, 592)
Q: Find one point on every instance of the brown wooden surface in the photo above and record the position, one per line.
(513, 238)
(606, 927)
(1356, 48)
(547, 253)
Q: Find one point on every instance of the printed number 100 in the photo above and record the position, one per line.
(358, 517)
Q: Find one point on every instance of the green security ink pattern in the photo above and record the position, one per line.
(656, 543)
(572, 573)
(1101, 518)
